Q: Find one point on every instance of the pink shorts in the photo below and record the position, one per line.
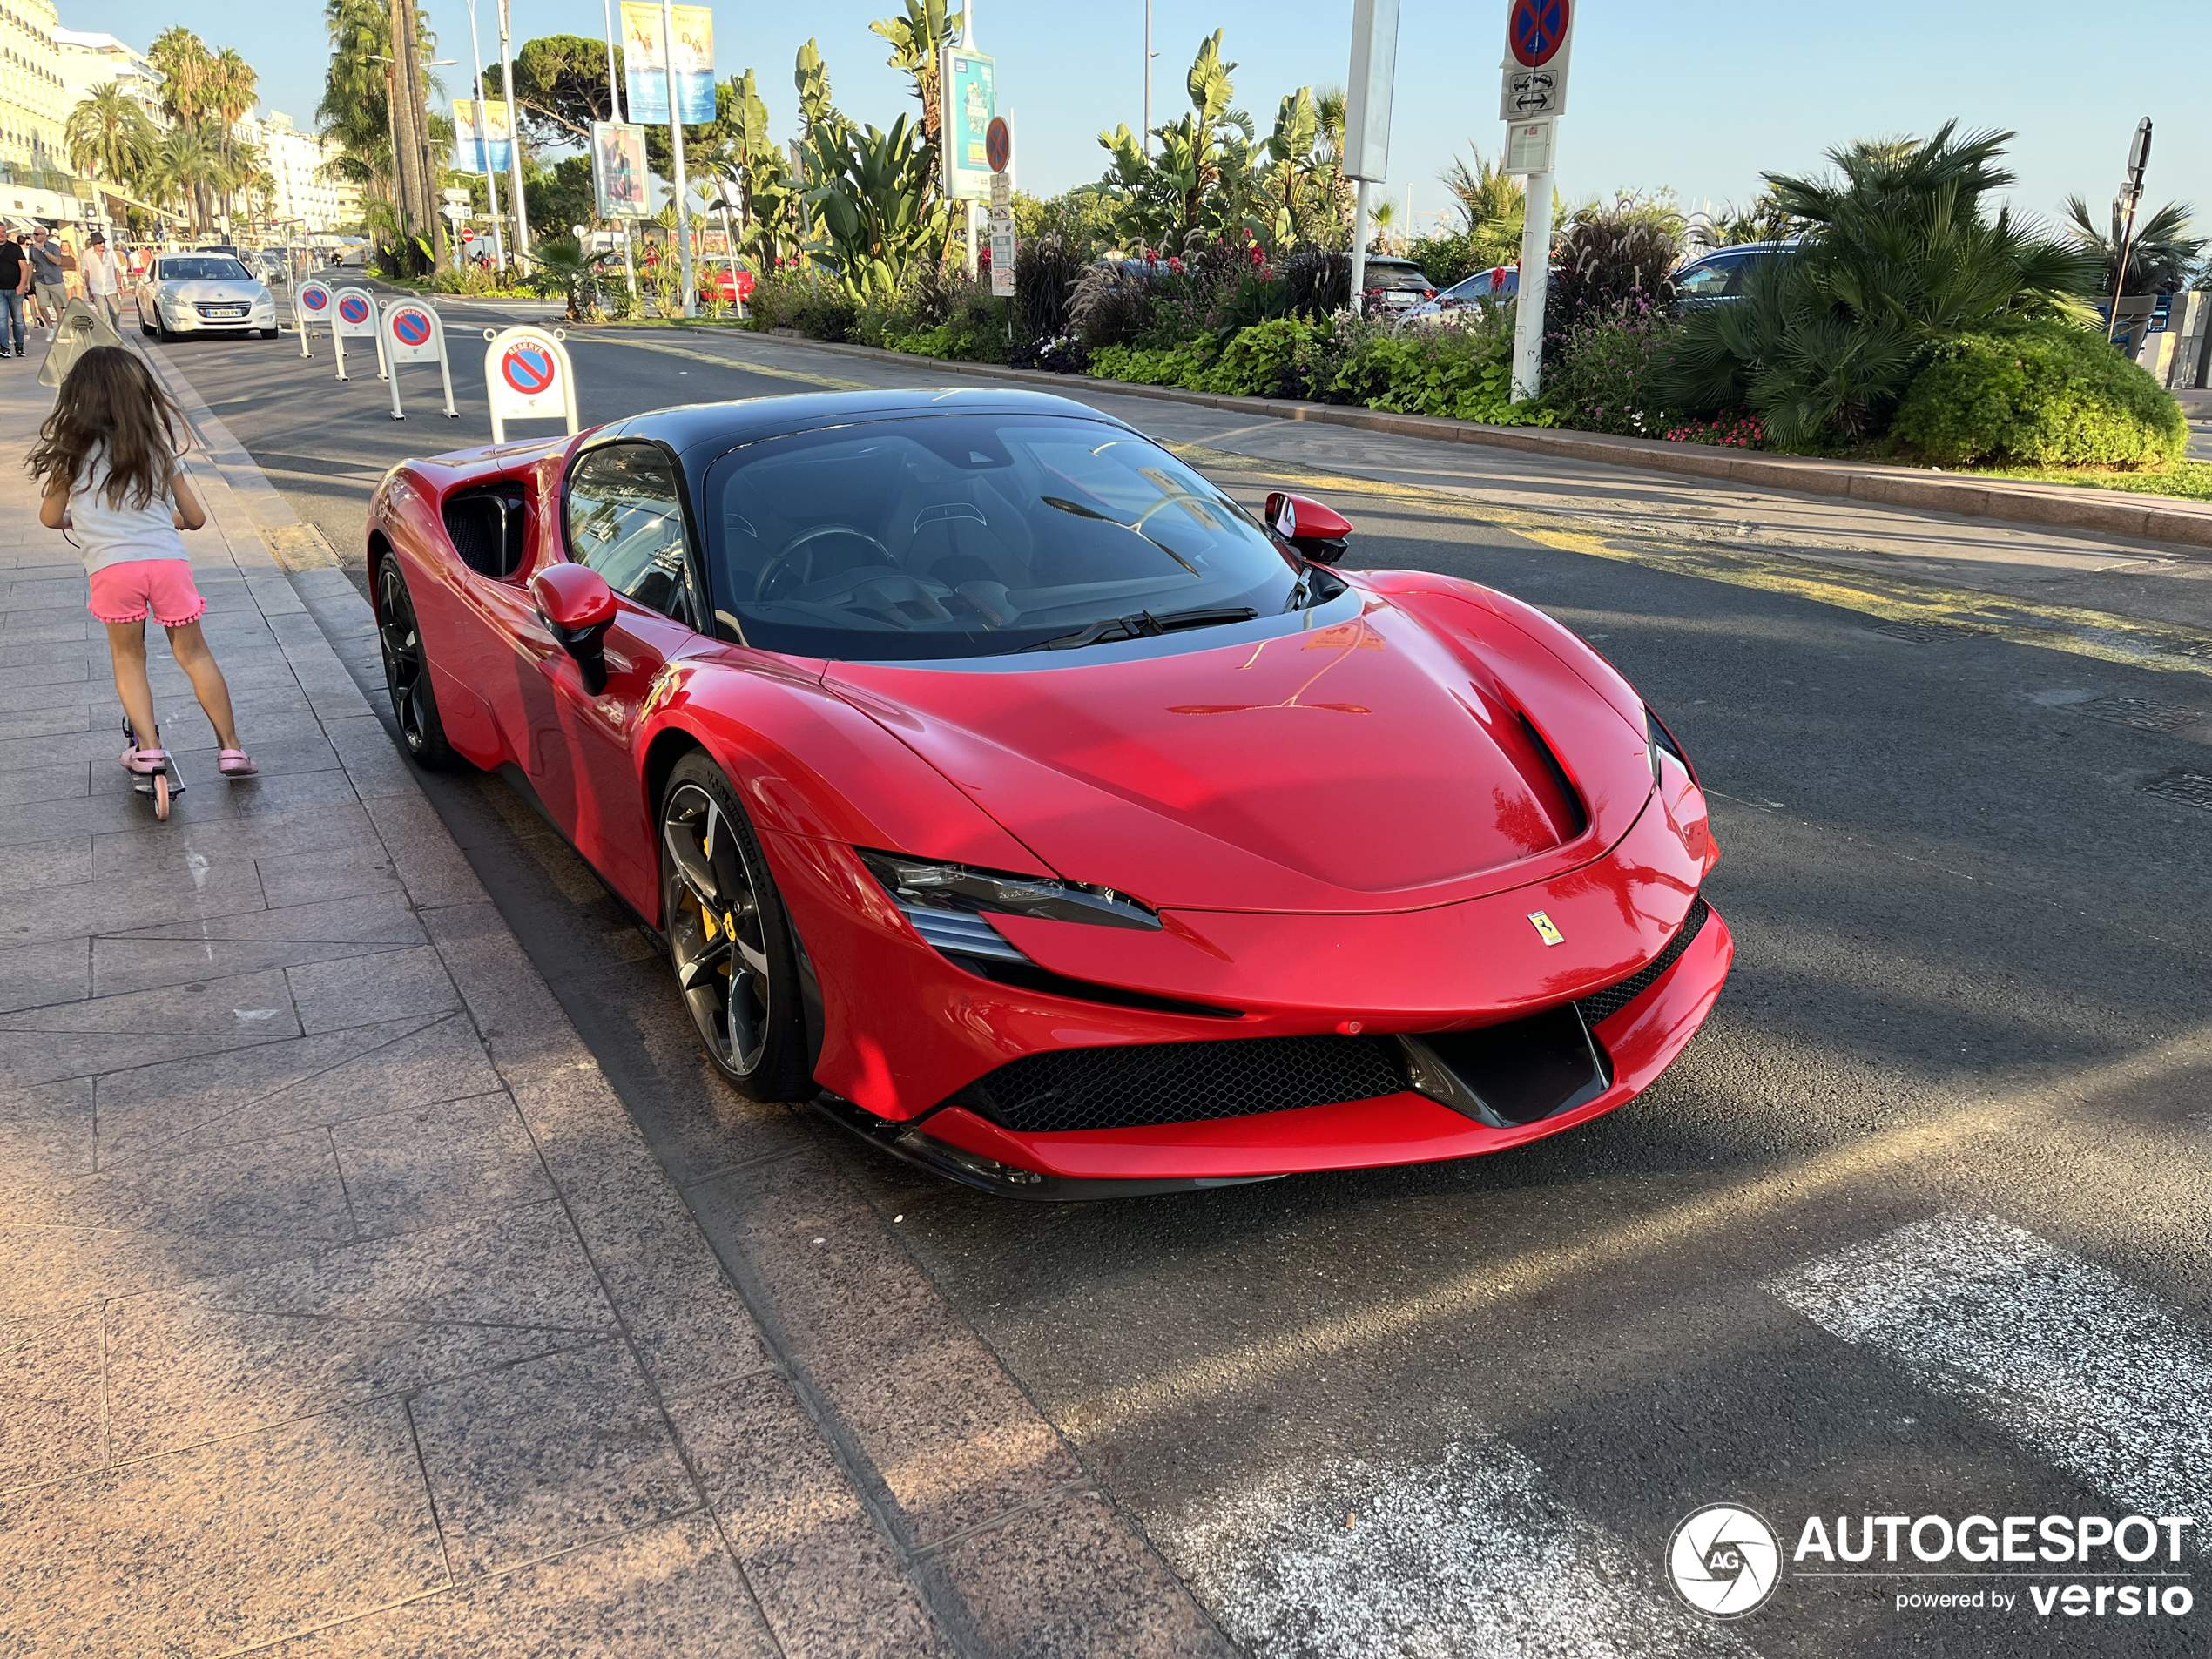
(126, 592)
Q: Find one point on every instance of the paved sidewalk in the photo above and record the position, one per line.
(343, 1308)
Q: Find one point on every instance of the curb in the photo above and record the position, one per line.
(2053, 507)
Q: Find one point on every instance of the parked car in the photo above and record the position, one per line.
(1393, 286)
(192, 294)
(1499, 282)
(1719, 275)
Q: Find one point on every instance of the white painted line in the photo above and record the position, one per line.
(1467, 1555)
(2101, 1378)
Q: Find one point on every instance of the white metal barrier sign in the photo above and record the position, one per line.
(527, 377)
(413, 334)
(354, 317)
(312, 306)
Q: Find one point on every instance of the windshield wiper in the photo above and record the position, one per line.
(1143, 624)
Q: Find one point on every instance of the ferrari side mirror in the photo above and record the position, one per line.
(1318, 534)
(577, 606)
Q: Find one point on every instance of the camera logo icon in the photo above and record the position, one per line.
(1724, 1561)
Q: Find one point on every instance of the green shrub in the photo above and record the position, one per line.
(1184, 365)
(1262, 360)
(1604, 374)
(2042, 395)
(1464, 372)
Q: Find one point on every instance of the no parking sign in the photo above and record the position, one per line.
(413, 333)
(354, 317)
(311, 304)
(527, 377)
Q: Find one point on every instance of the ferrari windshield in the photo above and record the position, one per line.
(977, 535)
(205, 267)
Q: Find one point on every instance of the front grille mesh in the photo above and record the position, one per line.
(1181, 1082)
(1604, 1005)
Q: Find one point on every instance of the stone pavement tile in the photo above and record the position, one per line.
(546, 1455)
(220, 1006)
(521, 1267)
(522, 1021)
(50, 718)
(42, 864)
(437, 1164)
(24, 819)
(180, 1371)
(434, 870)
(372, 759)
(58, 971)
(317, 878)
(365, 988)
(170, 952)
(62, 781)
(29, 1057)
(69, 908)
(250, 1094)
(1074, 1579)
(242, 1541)
(51, 1596)
(196, 762)
(102, 741)
(150, 855)
(46, 1133)
(48, 1270)
(955, 1439)
(33, 656)
(49, 1397)
(666, 1591)
(826, 1577)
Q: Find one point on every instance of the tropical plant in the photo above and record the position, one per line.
(1606, 258)
(918, 42)
(1728, 226)
(1492, 206)
(2039, 395)
(563, 265)
(768, 198)
(2160, 254)
(869, 206)
(1046, 269)
(1898, 256)
(109, 137)
(1202, 177)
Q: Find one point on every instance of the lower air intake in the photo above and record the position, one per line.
(1604, 1005)
(1181, 1082)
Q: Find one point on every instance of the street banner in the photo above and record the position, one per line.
(483, 135)
(618, 170)
(354, 317)
(968, 99)
(645, 70)
(313, 306)
(527, 377)
(413, 334)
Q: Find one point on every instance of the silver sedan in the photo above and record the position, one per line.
(191, 294)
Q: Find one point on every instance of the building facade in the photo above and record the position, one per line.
(90, 61)
(34, 100)
(303, 198)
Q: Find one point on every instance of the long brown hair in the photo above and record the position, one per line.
(108, 400)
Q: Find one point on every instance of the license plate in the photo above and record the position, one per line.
(222, 311)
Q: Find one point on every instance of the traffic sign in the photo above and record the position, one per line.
(998, 143)
(355, 317)
(311, 304)
(527, 377)
(1002, 255)
(1537, 28)
(455, 211)
(413, 334)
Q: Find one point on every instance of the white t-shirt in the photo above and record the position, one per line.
(100, 273)
(107, 535)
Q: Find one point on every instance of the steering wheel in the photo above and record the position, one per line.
(793, 567)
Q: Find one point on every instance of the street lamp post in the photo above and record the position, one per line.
(515, 148)
(676, 143)
(483, 138)
(2129, 199)
(614, 106)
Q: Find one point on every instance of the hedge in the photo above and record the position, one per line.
(2039, 395)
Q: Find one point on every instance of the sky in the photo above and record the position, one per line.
(1660, 96)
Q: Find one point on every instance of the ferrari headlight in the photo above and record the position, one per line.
(1658, 741)
(960, 889)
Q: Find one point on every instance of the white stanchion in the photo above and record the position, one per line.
(354, 317)
(313, 306)
(412, 333)
(527, 377)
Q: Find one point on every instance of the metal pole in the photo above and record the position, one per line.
(1148, 80)
(515, 145)
(1358, 294)
(614, 98)
(2119, 275)
(484, 141)
(975, 215)
(1536, 277)
(676, 142)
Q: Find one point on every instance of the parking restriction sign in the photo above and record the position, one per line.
(311, 304)
(1538, 36)
(413, 334)
(354, 317)
(528, 376)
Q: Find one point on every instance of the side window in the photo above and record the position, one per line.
(625, 522)
(1707, 281)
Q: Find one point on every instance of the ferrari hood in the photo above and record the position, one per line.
(1364, 766)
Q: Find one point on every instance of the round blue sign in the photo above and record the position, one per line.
(1537, 30)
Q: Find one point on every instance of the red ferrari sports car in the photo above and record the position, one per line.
(1004, 789)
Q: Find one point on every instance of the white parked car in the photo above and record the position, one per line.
(194, 294)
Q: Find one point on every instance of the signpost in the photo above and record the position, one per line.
(1539, 36)
(413, 333)
(998, 150)
(968, 103)
(355, 319)
(1366, 119)
(527, 377)
(311, 304)
(2130, 197)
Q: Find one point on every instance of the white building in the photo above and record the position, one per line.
(33, 101)
(295, 159)
(89, 61)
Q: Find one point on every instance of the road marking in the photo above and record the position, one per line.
(1469, 1554)
(1889, 596)
(2101, 1378)
(1276, 1361)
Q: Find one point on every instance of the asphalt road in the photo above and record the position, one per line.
(1916, 1227)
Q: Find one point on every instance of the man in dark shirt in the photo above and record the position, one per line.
(14, 280)
(49, 277)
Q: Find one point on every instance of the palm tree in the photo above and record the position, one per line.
(109, 135)
(232, 85)
(2161, 256)
(186, 166)
(1493, 205)
(185, 63)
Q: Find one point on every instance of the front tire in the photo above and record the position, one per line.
(728, 938)
(406, 669)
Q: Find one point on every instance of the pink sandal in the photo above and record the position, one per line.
(235, 763)
(146, 763)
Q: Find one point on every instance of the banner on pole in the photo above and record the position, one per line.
(618, 170)
(646, 73)
(483, 135)
(968, 101)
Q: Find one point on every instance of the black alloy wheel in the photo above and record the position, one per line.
(728, 938)
(406, 669)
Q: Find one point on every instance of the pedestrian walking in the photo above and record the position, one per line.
(107, 456)
(104, 278)
(14, 286)
(48, 281)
